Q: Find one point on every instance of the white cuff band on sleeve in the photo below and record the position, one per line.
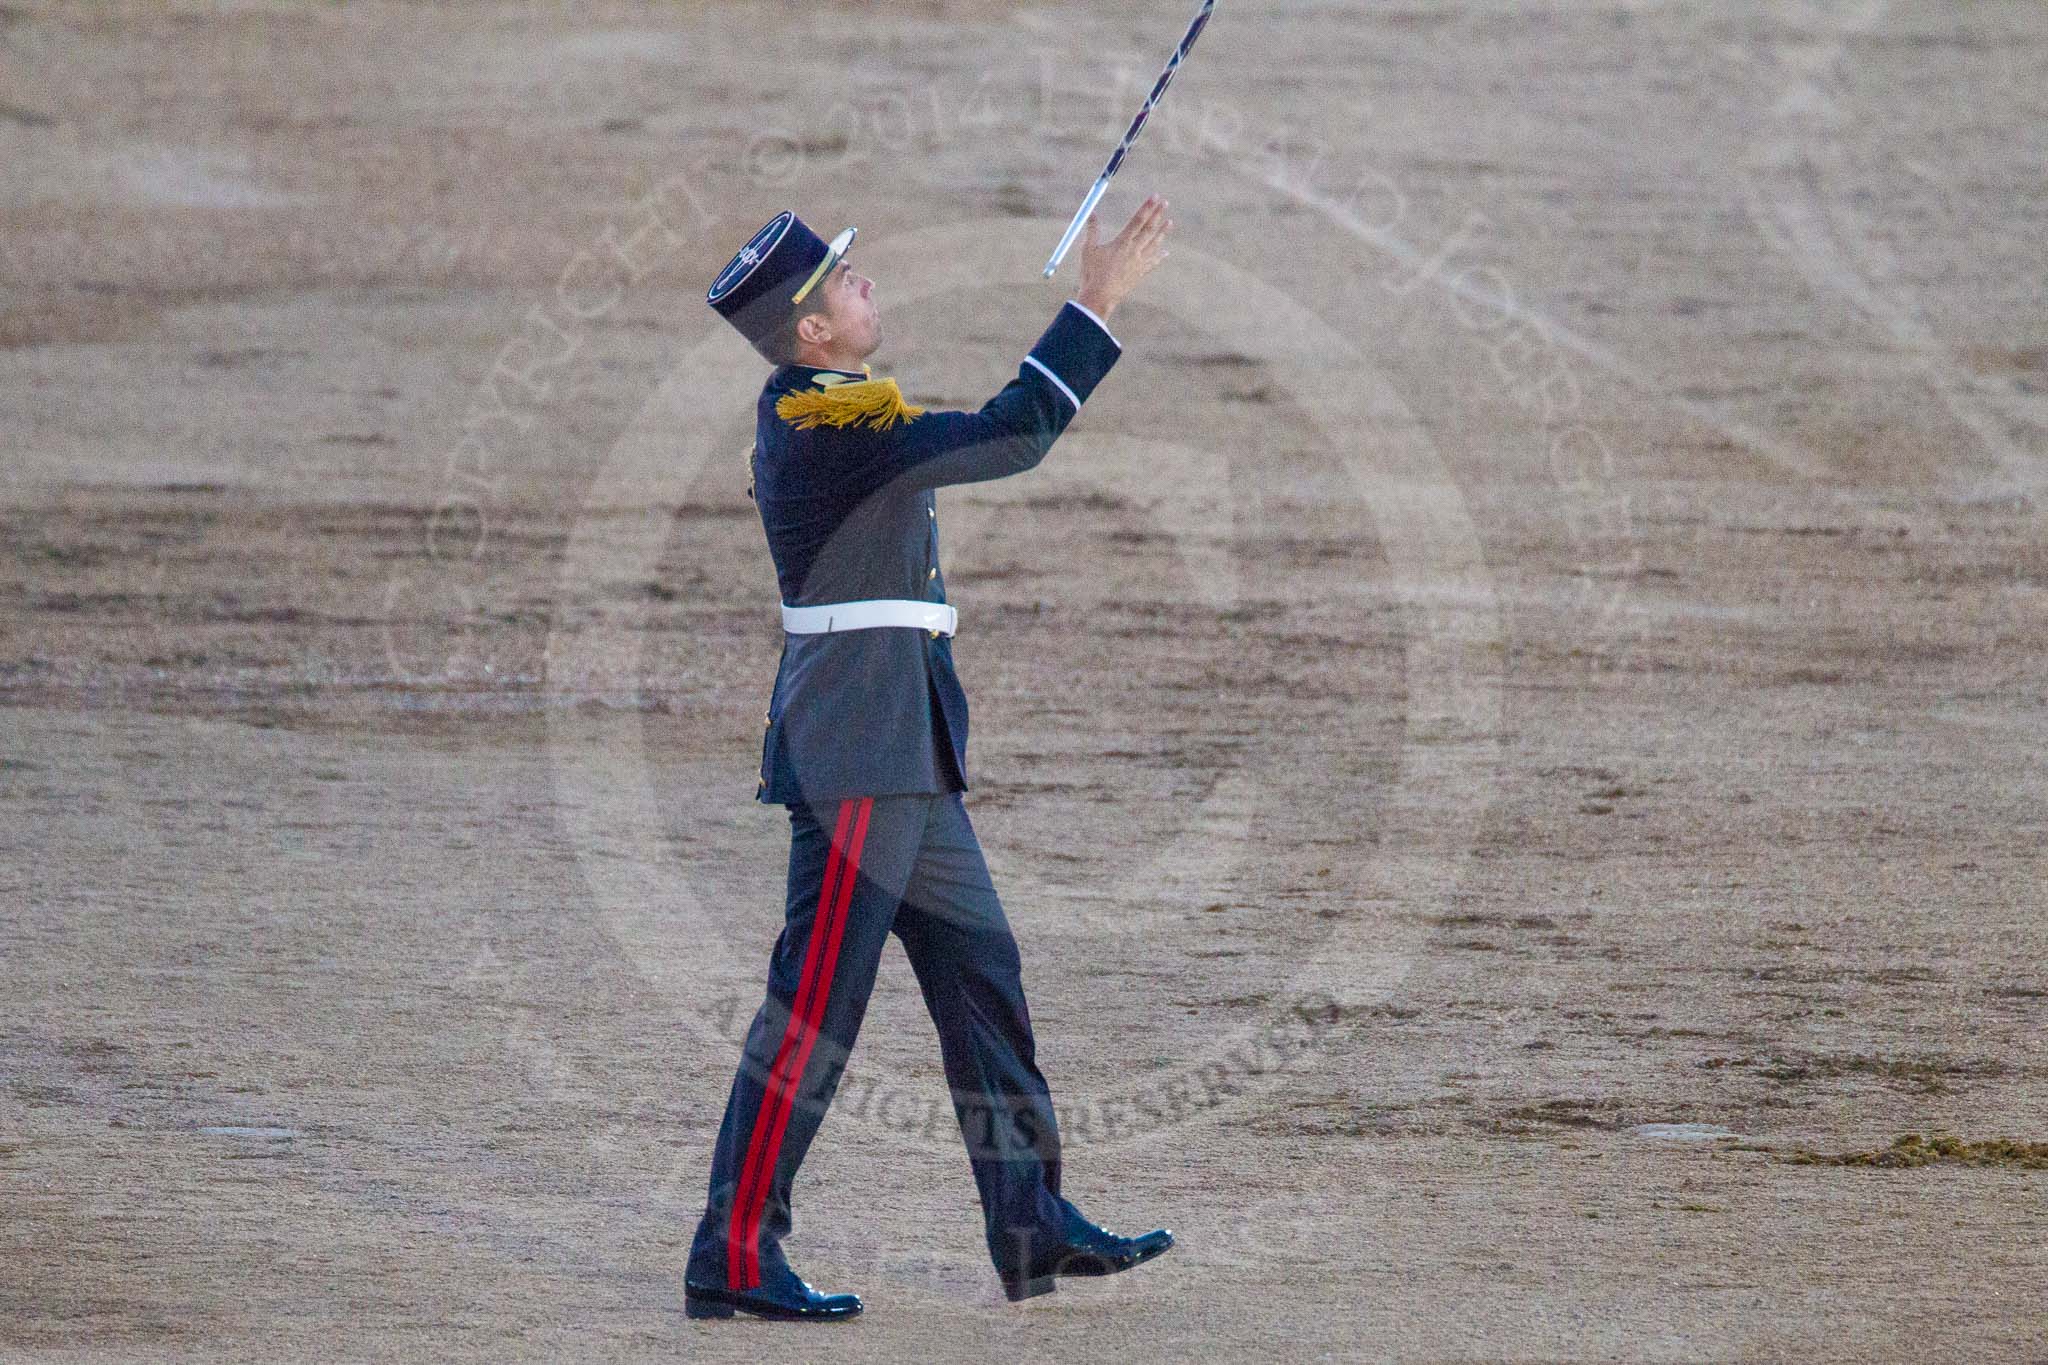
(1058, 382)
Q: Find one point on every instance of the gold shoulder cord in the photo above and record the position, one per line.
(873, 403)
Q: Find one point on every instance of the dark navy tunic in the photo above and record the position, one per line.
(849, 514)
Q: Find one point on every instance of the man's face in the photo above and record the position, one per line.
(848, 304)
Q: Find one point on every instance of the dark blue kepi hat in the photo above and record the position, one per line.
(762, 288)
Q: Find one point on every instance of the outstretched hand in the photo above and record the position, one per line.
(1111, 270)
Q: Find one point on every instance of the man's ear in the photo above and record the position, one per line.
(813, 330)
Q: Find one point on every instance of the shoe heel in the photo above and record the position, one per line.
(705, 1308)
(1017, 1290)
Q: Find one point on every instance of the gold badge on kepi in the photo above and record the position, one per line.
(760, 288)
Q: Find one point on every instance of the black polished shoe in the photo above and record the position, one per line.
(1088, 1250)
(788, 1300)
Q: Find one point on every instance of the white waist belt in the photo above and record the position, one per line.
(879, 611)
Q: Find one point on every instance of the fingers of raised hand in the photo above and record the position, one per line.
(1141, 222)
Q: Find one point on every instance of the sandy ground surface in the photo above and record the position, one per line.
(1541, 635)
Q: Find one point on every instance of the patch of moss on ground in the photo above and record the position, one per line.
(1913, 1150)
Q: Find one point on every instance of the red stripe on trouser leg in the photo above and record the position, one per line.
(750, 1246)
(750, 1172)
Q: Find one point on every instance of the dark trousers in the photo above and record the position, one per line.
(859, 869)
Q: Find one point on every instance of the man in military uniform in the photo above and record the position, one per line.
(866, 744)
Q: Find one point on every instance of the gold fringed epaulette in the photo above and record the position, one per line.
(875, 403)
